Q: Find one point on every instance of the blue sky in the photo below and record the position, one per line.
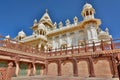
(16, 15)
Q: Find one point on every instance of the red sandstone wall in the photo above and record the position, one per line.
(83, 69)
(52, 69)
(67, 69)
(102, 68)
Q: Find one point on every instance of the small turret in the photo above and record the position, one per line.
(55, 25)
(35, 22)
(67, 22)
(41, 29)
(7, 37)
(88, 12)
(75, 20)
(21, 35)
(60, 25)
(107, 31)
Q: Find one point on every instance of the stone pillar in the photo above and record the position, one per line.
(91, 68)
(112, 44)
(53, 43)
(46, 67)
(34, 68)
(114, 65)
(59, 67)
(94, 47)
(89, 12)
(76, 37)
(75, 67)
(68, 40)
(17, 68)
(42, 70)
(29, 69)
(39, 46)
(60, 40)
(9, 72)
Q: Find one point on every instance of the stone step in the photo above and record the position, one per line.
(59, 78)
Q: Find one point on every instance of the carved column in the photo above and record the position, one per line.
(66, 50)
(29, 69)
(114, 65)
(75, 67)
(102, 45)
(91, 68)
(46, 67)
(85, 46)
(42, 70)
(9, 72)
(72, 50)
(112, 44)
(17, 68)
(34, 68)
(59, 67)
(94, 47)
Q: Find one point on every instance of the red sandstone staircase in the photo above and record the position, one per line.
(60, 78)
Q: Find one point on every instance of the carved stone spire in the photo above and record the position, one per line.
(35, 22)
(75, 20)
(67, 22)
(55, 25)
(60, 24)
(46, 10)
(107, 31)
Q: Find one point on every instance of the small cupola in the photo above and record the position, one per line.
(88, 11)
(21, 35)
(41, 29)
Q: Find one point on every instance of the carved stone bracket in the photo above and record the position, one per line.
(16, 58)
(33, 60)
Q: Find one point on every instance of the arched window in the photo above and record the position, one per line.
(20, 38)
(49, 48)
(90, 12)
(87, 13)
(43, 32)
(63, 46)
(40, 32)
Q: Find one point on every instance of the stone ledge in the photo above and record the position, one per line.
(60, 78)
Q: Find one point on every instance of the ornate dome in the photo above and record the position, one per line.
(22, 33)
(41, 26)
(8, 36)
(87, 5)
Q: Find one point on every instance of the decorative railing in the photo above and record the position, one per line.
(83, 48)
(14, 45)
(87, 47)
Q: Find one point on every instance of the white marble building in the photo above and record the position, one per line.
(47, 36)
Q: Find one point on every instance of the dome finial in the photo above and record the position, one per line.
(87, 5)
(46, 10)
(35, 20)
